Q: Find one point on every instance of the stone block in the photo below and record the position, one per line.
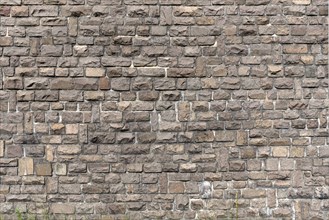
(10, 2)
(6, 41)
(19, 11)
(44, 11)
(302, 2)
(59, 208)
(69, 149)
(2, 148)
(43, 169)
(25, 166)
(95, 72)
(60, 169)
(176, 187)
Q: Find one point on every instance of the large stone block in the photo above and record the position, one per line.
(25, 166)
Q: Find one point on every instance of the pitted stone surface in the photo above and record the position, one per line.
(164, 109)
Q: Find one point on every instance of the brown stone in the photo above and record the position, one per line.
(49, 153)
(95, 72)
(43, 169)
(242, 138)
(176, 187)
(188, 168)
(296, 152)
(6, 41)
(19, 11)
(280, 151)
(253, 193)
(104, 83)
(25, 166)
(64, 208)
(298, 48)
(69, 149)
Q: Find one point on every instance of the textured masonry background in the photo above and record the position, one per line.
(148, 109)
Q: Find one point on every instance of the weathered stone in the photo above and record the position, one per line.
(44, 11)
(13, 83)
(155, 51)
(280, 152)
(95, 72)
(69, 149)
(25, 166)
(62, 208)
(253, 193)
(6, 41)
(53, 21)
(188, 168)
(93, 95)
(120, 84)
(176, 187)
(115, 61)
(19, 11)
(10, 2)
(51, 50)
(151, 109)
(301, 2)
(60, 169)
(299, 48)
(2, 148)
(43, 169)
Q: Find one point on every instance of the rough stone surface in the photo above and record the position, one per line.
(164, 109)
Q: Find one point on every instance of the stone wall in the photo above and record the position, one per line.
(150, 109)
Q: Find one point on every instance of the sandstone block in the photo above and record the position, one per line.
(176, 187)
(58, 208)
(280, 151)
(68, 149)
(44, 11)
(116, 61)
(302, 2)
(253, 193)
(6, 41)
(19, 11)
(95, 72)
(10, 2)
(43, 169)
(25, 166)
(2, 148)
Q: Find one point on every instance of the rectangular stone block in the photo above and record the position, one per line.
(43, 169)
(95, 72)
(10, 2)
(301, 2)
(64, 208)
(16, 51)
(6, 41)
(19, 11)
(2, 148)
(73, 26)
(116, 61)
(295, 48)
(69, 149)
(111, 116)
(44, 11)
(25, 166)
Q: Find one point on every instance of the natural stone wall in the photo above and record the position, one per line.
(175, 109)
